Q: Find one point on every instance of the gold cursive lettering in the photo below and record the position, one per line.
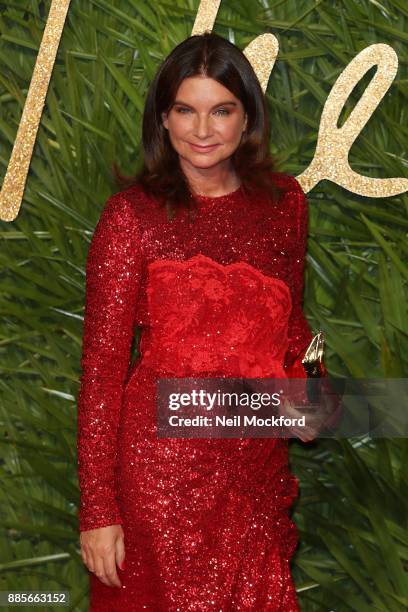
(333, 146)
(15, 179)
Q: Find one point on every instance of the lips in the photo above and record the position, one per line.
(203, 149)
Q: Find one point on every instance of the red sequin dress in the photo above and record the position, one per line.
(206, 521)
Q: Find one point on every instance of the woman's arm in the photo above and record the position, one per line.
(113, 273)
(299, 333)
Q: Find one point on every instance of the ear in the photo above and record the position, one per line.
(165, 120)
(245, 123)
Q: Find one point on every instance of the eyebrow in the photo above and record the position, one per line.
(227, 102)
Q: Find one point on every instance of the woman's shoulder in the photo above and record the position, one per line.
(293, 199)
(136, 197)
(132, 204)
(287, 183)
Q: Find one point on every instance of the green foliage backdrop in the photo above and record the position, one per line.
(352, 511)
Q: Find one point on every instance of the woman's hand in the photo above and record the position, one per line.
(101, 550)
(314, 420)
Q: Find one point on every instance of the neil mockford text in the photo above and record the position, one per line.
(206, 401)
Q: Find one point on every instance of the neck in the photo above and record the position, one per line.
(215, 181)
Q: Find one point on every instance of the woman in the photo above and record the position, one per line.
(191, 524)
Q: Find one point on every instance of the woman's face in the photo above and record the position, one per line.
(205, 122)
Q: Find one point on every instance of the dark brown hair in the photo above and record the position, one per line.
(213, 56)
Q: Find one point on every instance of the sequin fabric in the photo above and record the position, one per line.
(208, 317)
(206, 521)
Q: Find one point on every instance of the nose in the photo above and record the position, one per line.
(203, 126)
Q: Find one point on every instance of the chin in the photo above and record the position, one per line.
(202, 161)
(198, 163)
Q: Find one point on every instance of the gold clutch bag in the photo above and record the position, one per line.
(313, 359)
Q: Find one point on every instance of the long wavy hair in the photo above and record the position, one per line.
(210, 55)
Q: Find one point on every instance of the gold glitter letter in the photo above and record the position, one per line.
(333, 143)
(13, 186)
(261, 52)
(205, 18)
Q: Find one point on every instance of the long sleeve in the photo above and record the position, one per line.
(299, 332)
(113, 273)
